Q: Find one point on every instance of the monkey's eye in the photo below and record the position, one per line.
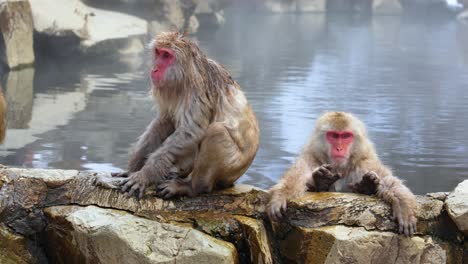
(156, 51)
(346, 135)
(166, 55)
(333, 135)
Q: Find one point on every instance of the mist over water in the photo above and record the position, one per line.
(405, 77)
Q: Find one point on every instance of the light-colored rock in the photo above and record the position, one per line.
(97, 30)
(305, 6)
(463, 16)
(13, 249)
(387, 7)
(457, 206)
(280, 6)
(300, 6)
(341, 244)
(320, 209)
(16, 27)
(98, 235)
(193, 25)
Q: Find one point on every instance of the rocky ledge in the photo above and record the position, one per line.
(63, 216)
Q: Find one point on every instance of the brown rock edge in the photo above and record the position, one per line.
(319, 228)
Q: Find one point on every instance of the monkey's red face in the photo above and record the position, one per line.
(340, 142)
(164, 58)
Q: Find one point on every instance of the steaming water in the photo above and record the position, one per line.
(407, 78)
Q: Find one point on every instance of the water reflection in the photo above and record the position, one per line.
(405, 77)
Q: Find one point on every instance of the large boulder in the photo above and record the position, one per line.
(16, 31)
(95, 30)
(88, 220)
(342, 244)
(457, 206)
(80, 234)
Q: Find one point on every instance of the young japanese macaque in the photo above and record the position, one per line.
(340, 158)
(206, 134)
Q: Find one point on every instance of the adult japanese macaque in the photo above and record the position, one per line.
(206, 134)
(340, 157)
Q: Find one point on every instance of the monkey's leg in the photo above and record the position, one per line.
(219, 164)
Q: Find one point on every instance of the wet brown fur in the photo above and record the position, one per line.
(206, 134)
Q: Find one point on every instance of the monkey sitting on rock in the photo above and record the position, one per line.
(206, 135)
(340, 157)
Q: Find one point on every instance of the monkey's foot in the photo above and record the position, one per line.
(123, 174)
(323, 179)
(171, 188)
(135, 184)
(368, 185)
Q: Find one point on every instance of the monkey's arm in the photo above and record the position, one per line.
(291, 185)
(403, 202)
(156, 132)
(153, 137)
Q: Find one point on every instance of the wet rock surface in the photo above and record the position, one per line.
(54, 208)
(16, 29)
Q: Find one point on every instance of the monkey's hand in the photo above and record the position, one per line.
(276, 208)
(323, 179)
(405, 214)
(136, 184)
(368, 185)
(123, 174)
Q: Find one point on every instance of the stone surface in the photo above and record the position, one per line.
(341, 244)
(110, 236)
(457, 206)
(336, 222)
(301, 6)
(16, 28)
(463, 16)
(257, 239)
(97, 30)
(13, 248)
(319, 209)
(387, 7)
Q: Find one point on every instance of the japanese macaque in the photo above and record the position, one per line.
(340, 157)
(206, 134)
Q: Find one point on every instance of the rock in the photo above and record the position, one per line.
(16, 27)
(320, 227)
(463, 16)
(320, 209)
(13, 248)
(387, 7)
(96, 30)
(341, 244)
(288, 6)
(457, 206)
(95, 235)
(257, 239)
(280, 6)
(311, 6)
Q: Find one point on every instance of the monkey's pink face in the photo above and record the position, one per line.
(339, 142)
(163, 60)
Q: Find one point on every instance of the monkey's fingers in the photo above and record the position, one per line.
(134, 189)
(327, 167)
(127, 184)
